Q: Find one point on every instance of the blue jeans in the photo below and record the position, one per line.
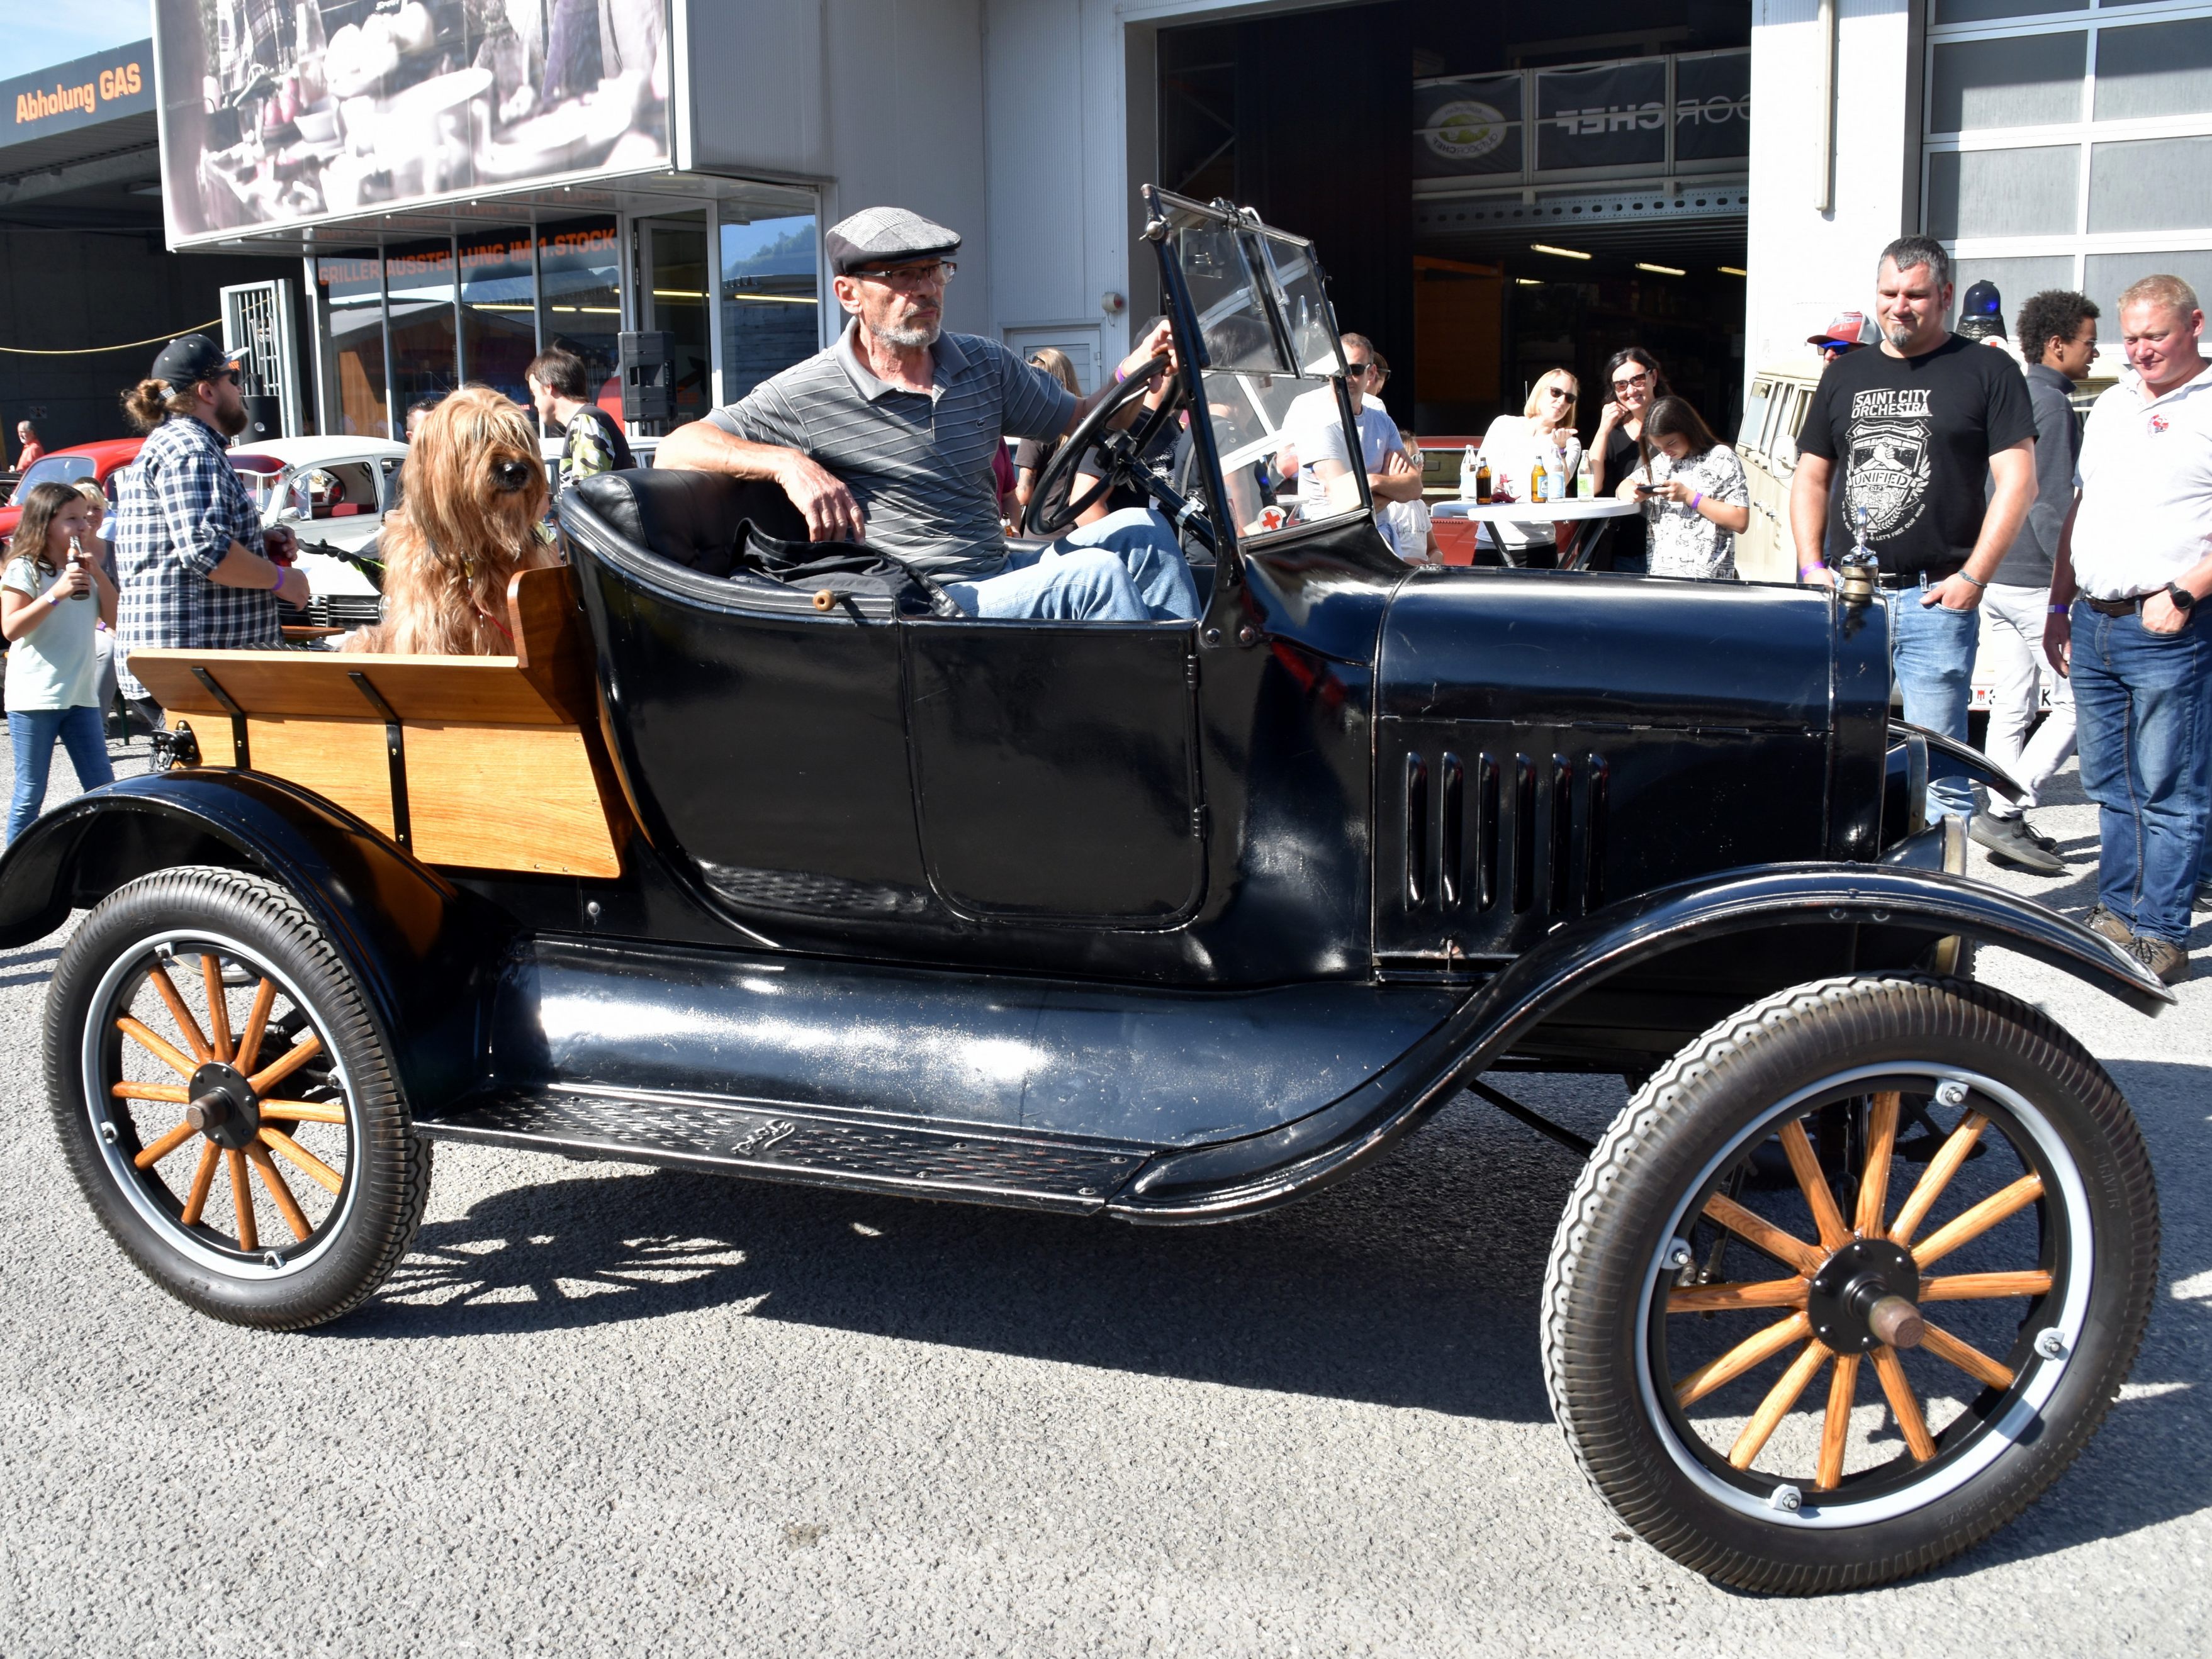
(1931, 653)
(31, 734)
(2144, 712)
(1125, 568)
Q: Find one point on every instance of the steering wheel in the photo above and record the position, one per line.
(1120, 453)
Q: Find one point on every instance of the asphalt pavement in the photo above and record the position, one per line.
(604, 1409)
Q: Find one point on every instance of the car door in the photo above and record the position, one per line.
(1056, 768)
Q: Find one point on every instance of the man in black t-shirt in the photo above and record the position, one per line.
(1918, 429)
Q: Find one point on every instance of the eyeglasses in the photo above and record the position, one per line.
(1355, 370)
(908, 278)
(1631, 382)
(1560, 392)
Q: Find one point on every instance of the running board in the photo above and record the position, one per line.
(775, 1143)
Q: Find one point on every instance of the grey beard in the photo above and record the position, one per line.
(1900, 336)
(913, 339)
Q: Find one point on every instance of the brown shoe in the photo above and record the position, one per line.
(2169, 962)
(2103, 923)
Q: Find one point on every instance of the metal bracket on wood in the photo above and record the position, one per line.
(395, 755)
(242, 756)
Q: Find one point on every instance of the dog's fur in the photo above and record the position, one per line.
(459, 536)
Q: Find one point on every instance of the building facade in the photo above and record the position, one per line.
(1491, 201)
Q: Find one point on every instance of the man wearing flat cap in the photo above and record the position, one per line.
(887, 436)
(195, 568)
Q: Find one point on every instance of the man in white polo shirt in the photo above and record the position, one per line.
(2137, 641)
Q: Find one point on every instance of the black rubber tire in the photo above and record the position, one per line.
(1610, 1236)
(390, 1170)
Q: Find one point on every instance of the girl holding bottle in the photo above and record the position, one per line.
(53, 596)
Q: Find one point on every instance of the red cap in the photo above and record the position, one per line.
(1846, 328)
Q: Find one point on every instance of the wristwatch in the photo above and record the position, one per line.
(2183, 601)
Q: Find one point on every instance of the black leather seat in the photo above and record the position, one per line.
(690, 518)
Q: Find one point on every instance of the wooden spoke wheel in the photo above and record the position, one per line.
(1849, 1282)
(224, 1101)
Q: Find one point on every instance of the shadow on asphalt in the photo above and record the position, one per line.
(1412, 1284)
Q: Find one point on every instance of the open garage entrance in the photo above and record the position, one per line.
(1491, 201)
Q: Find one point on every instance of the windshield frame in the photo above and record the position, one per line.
(37, 474)
(1260, 248)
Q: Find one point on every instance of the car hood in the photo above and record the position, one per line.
(1539, 648)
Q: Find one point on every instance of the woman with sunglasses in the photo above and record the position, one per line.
(1635, 382)
(1543, 433)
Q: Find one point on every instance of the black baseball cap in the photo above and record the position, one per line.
(191, 358)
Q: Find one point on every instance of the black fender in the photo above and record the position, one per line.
(424, 952)
(1237, 1178)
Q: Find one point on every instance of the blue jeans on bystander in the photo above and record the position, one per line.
(2143, 704)
(31, 734)
(1931, 652)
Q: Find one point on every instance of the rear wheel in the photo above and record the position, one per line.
(1849, 1282)
(224, 1103)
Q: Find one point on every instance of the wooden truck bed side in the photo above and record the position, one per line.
(477, 762)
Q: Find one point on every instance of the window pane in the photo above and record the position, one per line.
(771, 298)
(499, 336)
(353, 344)
(2161, 68)
(580, 269)
(1980, 11)
(2110, 273)
(2023, 192)
(2151, 184)
(2028, 81)
(2016, 279)
(420, 279)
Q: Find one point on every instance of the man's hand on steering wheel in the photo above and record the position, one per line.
(1120, 458)
(1160, 342)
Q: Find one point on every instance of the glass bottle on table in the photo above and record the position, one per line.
(1483, 493)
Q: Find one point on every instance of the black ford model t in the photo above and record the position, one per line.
(1170, 922)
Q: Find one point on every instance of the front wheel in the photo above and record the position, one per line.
(225, 1104)
(1849, 1282)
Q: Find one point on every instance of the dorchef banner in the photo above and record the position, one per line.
(1605, 115)
(286, 111)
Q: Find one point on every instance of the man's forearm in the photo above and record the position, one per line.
(1808, 516)
(241, 567)
(2008, 512)
(702, 446)
(1395, 485)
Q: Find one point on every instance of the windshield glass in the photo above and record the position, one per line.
(1271, 346)
(55, 470)
(265, 489)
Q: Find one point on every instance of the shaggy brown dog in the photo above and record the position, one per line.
(473, 493)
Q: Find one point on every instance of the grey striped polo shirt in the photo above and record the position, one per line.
(919, 465)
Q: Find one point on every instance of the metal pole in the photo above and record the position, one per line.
(460, 358)
(384, 311)
(719, 394)
(1824, 194)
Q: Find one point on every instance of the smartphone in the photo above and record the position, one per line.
(1647, 489)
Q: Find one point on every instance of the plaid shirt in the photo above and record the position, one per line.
(181, 508)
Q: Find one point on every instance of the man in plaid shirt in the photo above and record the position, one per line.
(189, 546)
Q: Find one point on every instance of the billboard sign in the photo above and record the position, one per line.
(276, 113)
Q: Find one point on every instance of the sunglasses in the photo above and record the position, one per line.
(1631, 382)
(908, 278)
(1559, 392)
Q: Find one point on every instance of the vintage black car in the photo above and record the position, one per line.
(1169, 923)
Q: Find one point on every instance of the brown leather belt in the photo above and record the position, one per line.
(2115, 607)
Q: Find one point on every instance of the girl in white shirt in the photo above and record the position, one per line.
(1544, 431)
(1695, 498)
(51, 605)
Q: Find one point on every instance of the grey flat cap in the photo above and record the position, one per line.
(878, 235)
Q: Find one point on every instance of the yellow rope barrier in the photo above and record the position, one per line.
(95, 351)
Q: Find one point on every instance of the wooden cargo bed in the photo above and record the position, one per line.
(477, 762)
